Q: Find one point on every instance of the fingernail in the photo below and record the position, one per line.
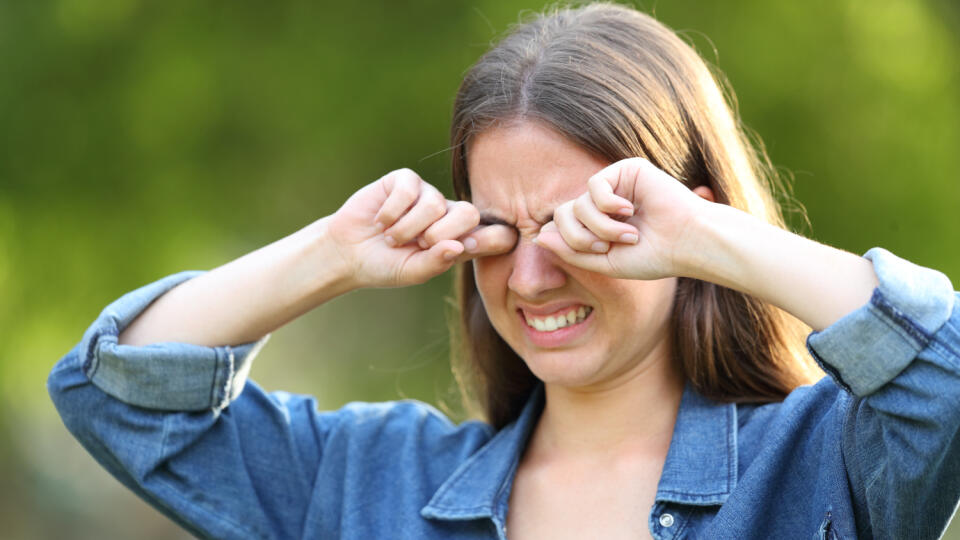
(449, 255)
(625, 211)
(470, 244)
(629, 238)
(599, 247)
(378, 226)
(422, 243)
(389, 241)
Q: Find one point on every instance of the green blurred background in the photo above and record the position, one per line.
(141, 138)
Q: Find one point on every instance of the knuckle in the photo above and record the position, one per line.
(388, 214)
(466, 208)
(431, 235)
(437, 205)
(582, 203)
(468, 211)
(570, 234)
(407, 179)
(578, 243)
(408, 191)
(407, 175)
(401, 176)
(563, 213)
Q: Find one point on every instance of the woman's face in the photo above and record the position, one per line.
(572, 327)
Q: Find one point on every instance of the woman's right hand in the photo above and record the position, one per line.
(400, 231)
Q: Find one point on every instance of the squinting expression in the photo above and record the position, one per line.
(572, 327)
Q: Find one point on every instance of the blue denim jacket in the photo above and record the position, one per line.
(871, 451)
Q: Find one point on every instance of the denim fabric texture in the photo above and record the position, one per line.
(869, 452)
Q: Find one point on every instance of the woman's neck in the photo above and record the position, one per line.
(635, 413)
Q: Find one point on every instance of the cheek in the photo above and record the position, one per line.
(651, 301)
(638, 301)
(491, 275)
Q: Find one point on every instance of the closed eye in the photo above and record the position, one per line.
(489, 219)
(486, 219)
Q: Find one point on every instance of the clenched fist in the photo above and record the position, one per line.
(400, 231)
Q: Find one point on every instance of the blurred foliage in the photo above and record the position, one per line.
(140, 138)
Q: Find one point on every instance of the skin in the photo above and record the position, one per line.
(394, 232)
(519, 175)
(618, 237)
(612, 392)
(612, 396)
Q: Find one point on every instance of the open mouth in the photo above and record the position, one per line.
(567, 317)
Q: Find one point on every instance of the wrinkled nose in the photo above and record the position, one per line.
(535, 271)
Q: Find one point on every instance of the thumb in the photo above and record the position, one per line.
(423, 265)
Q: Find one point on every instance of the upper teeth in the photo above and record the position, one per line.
(549, 324)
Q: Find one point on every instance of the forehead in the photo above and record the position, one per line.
(524, 170)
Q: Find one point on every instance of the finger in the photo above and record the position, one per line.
(489, 240)
(430, 206)
(634, 176)
(551, 239)
(402, 188)
(423, 265)
(574, 233)
(601, 192)
(602, 225)
(461, 218)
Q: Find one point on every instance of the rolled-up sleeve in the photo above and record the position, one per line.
(180, 426)
(899, 355)
(165, 376)
(870, 346)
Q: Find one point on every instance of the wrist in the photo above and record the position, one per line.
(816, 283)
(703, 250)
(327, 271)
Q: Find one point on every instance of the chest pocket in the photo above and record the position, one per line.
(826, 530)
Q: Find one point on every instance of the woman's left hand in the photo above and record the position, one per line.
(635, 221)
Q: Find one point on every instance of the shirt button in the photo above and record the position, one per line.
(666, 520)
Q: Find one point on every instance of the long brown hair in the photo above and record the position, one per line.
(620, 84)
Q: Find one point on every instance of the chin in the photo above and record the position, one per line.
(563, 369)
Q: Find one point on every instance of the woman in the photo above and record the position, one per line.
(630, 308)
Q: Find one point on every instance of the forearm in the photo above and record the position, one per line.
(247, 298)
(817, 284)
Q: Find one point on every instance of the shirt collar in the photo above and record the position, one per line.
(480, 487)
(700, 469)
(701, 465)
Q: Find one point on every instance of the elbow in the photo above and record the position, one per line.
(65, 385)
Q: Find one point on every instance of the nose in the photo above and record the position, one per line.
(535, 271)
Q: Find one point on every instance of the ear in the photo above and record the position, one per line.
(705, 192)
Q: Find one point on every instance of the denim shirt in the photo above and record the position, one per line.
(869, 452)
